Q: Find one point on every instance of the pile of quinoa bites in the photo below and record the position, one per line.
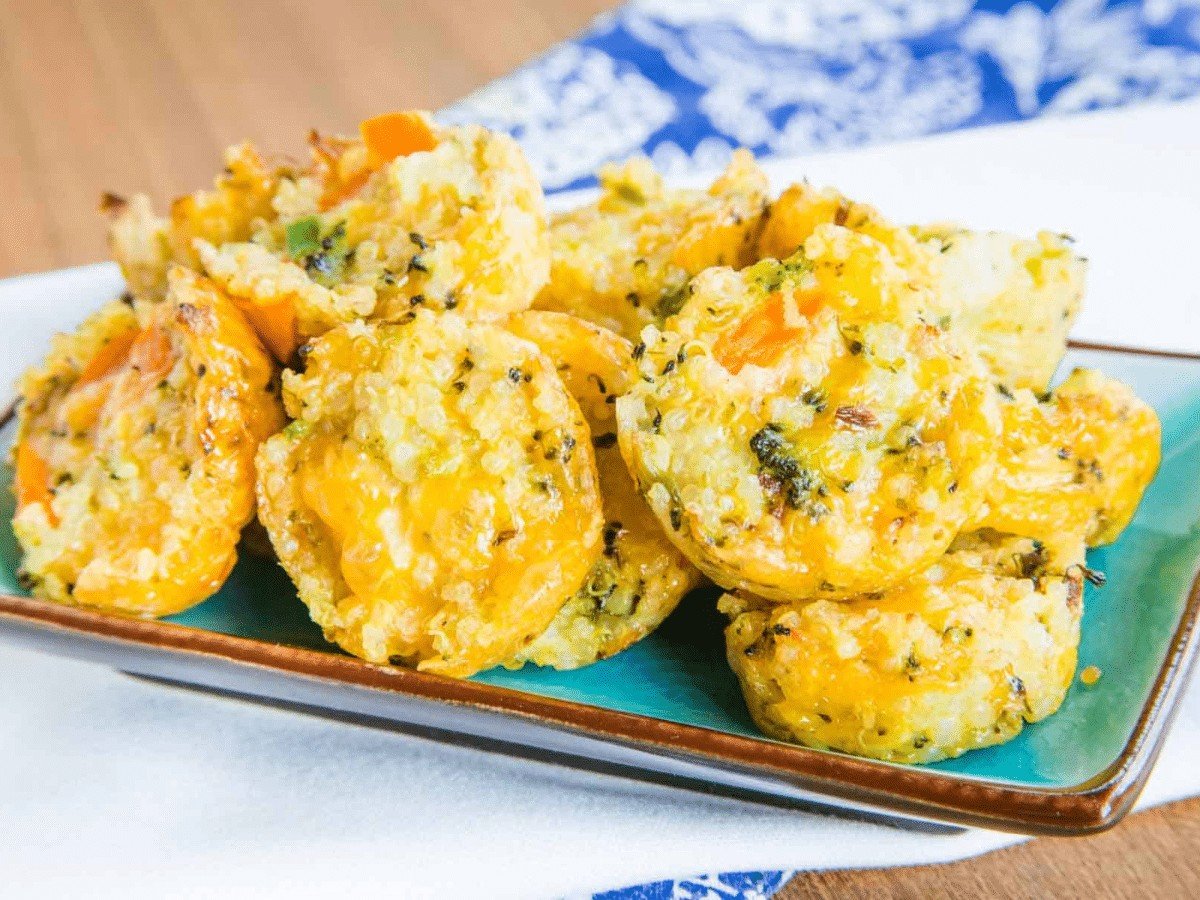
(478, 436)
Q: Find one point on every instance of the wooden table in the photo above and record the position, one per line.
(143, 94)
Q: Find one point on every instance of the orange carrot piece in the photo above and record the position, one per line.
(396, 134)
(275, 325)
(108, 358)
(152, 353)
(762, 336)
(337, 191)
(386, 137)
(32, 480)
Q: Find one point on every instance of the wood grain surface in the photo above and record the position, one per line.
(142, 95)
(1151, 854)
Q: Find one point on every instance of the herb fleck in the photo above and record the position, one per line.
(612, 532)
(671, 301)
(784, 473)
(303, 237)
(816, 398)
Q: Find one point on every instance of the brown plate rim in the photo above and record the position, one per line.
(1094, 805)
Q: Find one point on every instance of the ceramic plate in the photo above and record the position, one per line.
(669, 708)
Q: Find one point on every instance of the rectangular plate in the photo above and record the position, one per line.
(669, 709)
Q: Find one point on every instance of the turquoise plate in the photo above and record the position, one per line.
(670, 709)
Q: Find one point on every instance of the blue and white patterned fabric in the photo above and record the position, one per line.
(686, 81)
(733, 886)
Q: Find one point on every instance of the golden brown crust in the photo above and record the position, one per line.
(436, 498)
(640, 577)
(624, 261)
(459, 227)
(959, 657)
(146, 245)
(801, 431)
(146, 425)
(1014, 299)
(1075, 463)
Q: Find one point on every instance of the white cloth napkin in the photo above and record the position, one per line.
(114, 786)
